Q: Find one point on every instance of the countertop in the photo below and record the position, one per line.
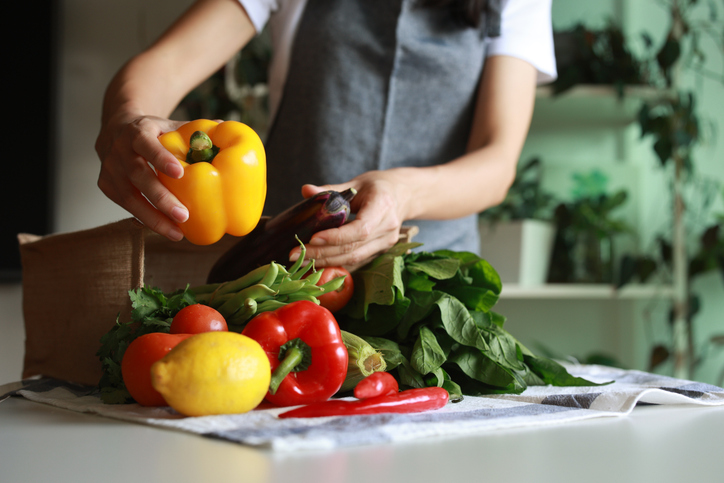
(652, 443)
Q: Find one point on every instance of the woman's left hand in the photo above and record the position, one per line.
(380, 206)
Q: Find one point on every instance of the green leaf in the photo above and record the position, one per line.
(377, 283)
(427, 355)
(482, 273)
(435, 378)
(421, 306)
(474, 298)
(459, 324)
(145, 301)
(418, 281)
(454, 390)
(115, 395)
(180, 300)
(433, 266)
(503, 348)
(409, 376)
(663, 149)
(480, 367)
(380, 319)
(402, 248)
(555, 374)
(497, 319)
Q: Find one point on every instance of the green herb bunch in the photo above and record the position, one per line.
(152, 311)
(596, 56)
(430, 314)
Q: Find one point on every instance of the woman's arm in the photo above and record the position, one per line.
(144, 93)
(470, 184)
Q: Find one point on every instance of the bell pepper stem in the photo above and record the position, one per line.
(292, 358)
(295, 356)
(201, 149)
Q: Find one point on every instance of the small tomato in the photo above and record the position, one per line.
(196, 319)
(137, 361)
(376, 384)
(334, 301)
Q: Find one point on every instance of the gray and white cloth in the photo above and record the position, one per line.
(536, 406)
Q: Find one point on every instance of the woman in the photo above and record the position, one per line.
(423, 106)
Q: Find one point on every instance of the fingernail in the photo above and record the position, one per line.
(294, 257)
(175, 234)
(174, 170)
(179, 214)
(317, 242)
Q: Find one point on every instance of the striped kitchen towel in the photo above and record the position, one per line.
(536, 406)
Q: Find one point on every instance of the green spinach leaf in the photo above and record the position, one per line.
(434, 311)
(427, 355)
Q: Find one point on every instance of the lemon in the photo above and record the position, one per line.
(213, 373)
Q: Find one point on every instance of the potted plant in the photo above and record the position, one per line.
(707, 255)
(517, 235)
(595, 57)
(586, 228)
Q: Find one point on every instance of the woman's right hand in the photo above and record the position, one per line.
(128, 146)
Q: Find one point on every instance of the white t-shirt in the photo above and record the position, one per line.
(526, 32)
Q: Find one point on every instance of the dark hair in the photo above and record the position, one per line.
(468, 12)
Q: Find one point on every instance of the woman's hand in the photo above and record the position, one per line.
(145, 91)
(380, 206)
(128, 147)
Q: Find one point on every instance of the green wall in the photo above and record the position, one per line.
(579, 134)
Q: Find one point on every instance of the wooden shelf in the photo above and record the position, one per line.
(590, 104)
(586, 291)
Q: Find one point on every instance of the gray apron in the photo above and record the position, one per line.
(373, 85)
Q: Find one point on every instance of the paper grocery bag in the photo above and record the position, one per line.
(76, 284)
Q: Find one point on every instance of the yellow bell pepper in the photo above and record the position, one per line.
(224, 185)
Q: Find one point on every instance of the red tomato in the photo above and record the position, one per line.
(198, 318)
(137, 361)
(376, 384)
(334, 301)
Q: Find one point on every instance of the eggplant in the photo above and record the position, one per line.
(271, 241)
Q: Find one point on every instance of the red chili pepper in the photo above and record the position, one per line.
(376, 384)
(305, 348)
(408, 401)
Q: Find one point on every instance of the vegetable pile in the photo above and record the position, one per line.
(264, 289)
(408, 332)
(418, 331)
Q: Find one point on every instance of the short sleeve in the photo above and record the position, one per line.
(526, 32)
(259, 11)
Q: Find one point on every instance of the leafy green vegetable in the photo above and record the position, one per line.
(427, 355)
(152, 311)
(431, 316)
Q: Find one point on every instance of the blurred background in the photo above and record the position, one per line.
(609, 245)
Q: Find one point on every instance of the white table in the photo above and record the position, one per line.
(660, 444)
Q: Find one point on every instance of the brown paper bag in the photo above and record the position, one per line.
(76, 284)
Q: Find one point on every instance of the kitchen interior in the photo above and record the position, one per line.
(587, 143)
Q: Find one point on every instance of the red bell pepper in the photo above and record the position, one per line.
(307, 355)
(408, 401)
